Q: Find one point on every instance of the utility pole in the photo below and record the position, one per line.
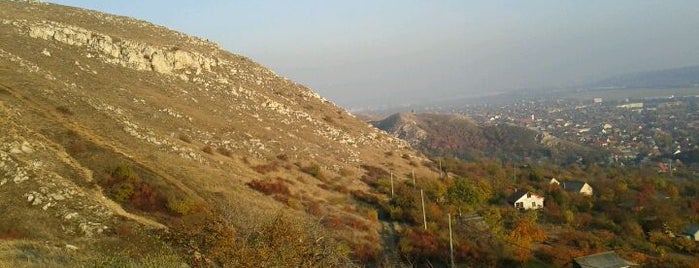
(670, 167)
(451, 244)
(440, 168)
(514, 172)
(413, 172)
(424, 217)
(391, 184)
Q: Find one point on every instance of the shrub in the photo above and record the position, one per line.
(12, 232)
(422, 245)
(224, 151)
(372, 215)
(182, 206)
(340, 189)
(294, 203)
(345, 172)
(208, 149)
(77, 147)
(124, 172)
(123, 230)
(266, 168)
(375, 172)
(122, 192)
(366, 253)
(64, 110)
(270, 187)
(313, 170)
(123, 184)
(366, 197)
(185, 138)
(314, 208)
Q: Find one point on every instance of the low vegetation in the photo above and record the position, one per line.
(313, 170)
(637, 213)
(124, 185)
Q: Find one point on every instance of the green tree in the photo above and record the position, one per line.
(464, 193)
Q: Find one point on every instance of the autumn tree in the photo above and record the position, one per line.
(524, 234)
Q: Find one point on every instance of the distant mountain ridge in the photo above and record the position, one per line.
(665, 78)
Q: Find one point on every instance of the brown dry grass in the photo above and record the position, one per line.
(94, 140)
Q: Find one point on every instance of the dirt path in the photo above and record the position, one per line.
(389, 237)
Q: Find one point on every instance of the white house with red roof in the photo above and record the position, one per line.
(526, 200)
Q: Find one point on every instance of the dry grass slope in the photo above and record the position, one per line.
(84, 95)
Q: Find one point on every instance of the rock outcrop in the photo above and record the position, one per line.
(123, 52)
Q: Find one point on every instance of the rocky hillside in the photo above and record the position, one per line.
(459, 136)
(122, 136)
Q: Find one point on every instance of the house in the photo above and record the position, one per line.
(526, 200)
(692, 232)
(554, 181)
(607, 259)
(574, 186)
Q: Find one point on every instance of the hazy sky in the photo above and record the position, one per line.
(368, 52)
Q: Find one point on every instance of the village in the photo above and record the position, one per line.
(634, 131)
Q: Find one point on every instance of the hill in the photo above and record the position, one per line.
(124, 142)
(458, 136)
(666, 78)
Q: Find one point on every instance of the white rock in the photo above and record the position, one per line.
(15, 150)
(26, 148)
(37, 201)
(160, 64)
(71, 215)
(46, 52)
(20, 178)
(71, 247)
(57, 197)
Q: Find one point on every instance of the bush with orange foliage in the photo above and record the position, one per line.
(12, 232)
(366, 253)
(124, 185)
(208, 149)
(224, 151)
(524, 234)
(268, 187)
(422, 245)
(266, 168)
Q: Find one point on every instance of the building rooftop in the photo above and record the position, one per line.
(607, 259)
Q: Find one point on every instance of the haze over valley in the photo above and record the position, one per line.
(368, 55)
